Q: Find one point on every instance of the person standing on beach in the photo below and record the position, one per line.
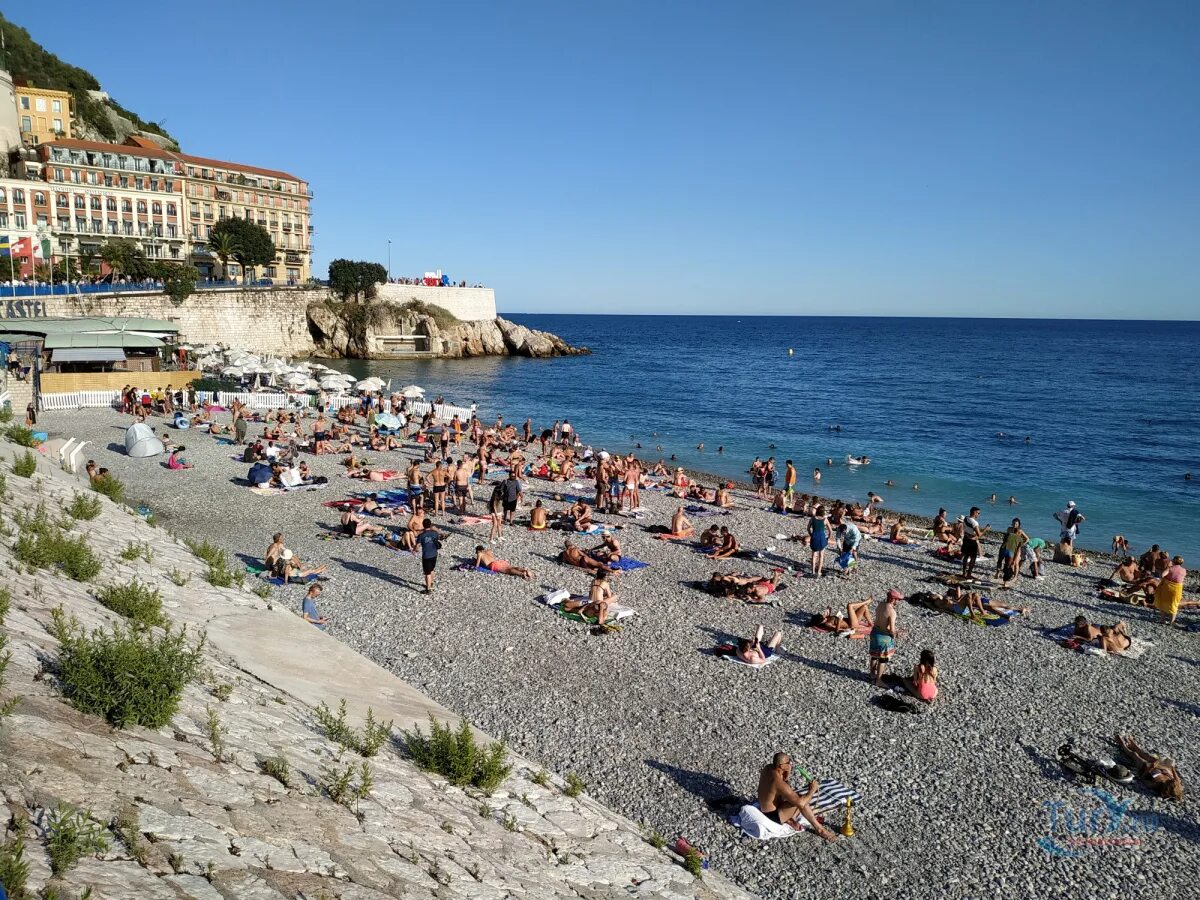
(239, 426)
(513, 492)
(818, 540)
(429, 541)
(1008, 558)
(789, 482)
(755, 471)
(1169, 593)
(883, 635)
(439, 487)
(413, 476)
(1070, 519)
(972, 535)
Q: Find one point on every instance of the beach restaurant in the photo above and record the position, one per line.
(86, 353)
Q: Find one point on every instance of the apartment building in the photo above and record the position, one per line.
(279, 202)
(17, 224)
(95, 191)
(43, 114)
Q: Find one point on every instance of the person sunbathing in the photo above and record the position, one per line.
(1110, 638)
(779, 502)
(972, 603)
(404, 540)
(922, 683)
(946, 533)
(485, 559)
(581, 514)
(759, 589)
(728, 546)
(710, 537)
(609, 550)
(288, 566)
(681, 527)
(858, 616)
(573, 556)
(354, 526)
(371, 507)
(538, 518)
(781, 804)
(1158, 772)
(724, 498)
(754, 652)
(600, 600)
(273, 551)
(897, 535)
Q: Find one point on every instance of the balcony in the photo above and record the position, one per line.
(287, 226)
(208, 217)
(224, 195)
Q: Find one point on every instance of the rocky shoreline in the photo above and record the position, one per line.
(964, 797)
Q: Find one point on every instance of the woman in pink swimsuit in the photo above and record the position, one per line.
(923, 683)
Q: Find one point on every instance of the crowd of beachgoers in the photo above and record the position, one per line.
(418, 540)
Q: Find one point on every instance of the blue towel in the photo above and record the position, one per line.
(624, 564)
(481, 569)
(276, 580)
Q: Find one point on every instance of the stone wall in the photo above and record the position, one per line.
(468, 304)
(263, 321)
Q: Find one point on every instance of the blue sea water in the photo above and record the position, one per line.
(1112, 409)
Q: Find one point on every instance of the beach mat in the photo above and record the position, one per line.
(1064, 637)
(831, 795)
(482, 570)
(762, 665)
(278, 582)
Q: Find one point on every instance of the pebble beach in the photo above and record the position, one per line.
(964, 799)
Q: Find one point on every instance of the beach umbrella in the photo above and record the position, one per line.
(333, 383)
(413, 391)
(371, 384)
(233, 371)
(387, 420)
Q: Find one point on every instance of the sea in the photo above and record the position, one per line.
(950, 411)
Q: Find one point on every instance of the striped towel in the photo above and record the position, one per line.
(832, 794)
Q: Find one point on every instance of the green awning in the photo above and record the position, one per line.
(123, 341)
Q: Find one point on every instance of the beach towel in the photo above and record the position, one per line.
(615, 614)
(704, 512)
(597, 529)
(471, 520)
(831, 794)
(762, 665)
(254, 569)
(276, 580)
(625, 564)
(482, 570)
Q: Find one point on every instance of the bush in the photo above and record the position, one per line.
(6, 706)
(277, 767)
(364, 743)
(111, 487)
(575, 785)
(84, 507)
(456, 756)
(220, 573)
(14, 870)
(135, 601)
(41, 544)
(126, 676)
(71, 835)
(441, 315)
(6, 413)
(21, 435)
(24, 465)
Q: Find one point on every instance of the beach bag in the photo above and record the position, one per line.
(846, 560)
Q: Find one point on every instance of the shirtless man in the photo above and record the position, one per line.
(573, 556)
(462, 486)
(485, 559)
(944, 532)
(538, 517)
(415, 492)
(600, 599)
(582, 514)
(271, 557)
(883, 634)
(724, 499)
(781, 804)
(439, 487)
(728, 546)
(897, 535)
(710, 537)
(609, 550)
(681, 527)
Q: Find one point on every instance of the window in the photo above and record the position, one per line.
(64, 223)
(170, 209)
(40, 104)
(76, 176)
(126, 206)
(56, 106)
(18, 196)
(2, 196)
(57, 124)
(58, 174)
(141, 206)
(270, 271)
(111, 204)
(3, 220)
(62, 200)
(26, 123)
(41, 219)
(139, 183)
(128, 227)
(96, 203)
(39, 199)
(97, 226)
(24, 103)
(112, 227)
(19, 220)
(93, 177)
(156, 208)
(80, 223)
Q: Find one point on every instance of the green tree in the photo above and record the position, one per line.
(223, 247)
(356, 279)
(252, 244)
(179, 280)
(123, 256)
(87, 262)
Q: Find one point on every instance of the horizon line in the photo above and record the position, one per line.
(847, 316)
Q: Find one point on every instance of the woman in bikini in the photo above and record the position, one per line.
(922, 684)
(858, 616)
(754, 652)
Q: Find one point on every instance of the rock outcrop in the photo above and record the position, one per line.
(354, 330)
(234, 798)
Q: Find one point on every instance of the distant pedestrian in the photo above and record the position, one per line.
(1070, 519)
(972, 535)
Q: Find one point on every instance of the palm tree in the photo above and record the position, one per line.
(87, 262)
(223, 247)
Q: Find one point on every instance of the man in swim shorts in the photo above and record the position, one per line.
(883, 635)
(780, 803)
(485, 559)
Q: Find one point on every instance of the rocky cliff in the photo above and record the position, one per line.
(242, 794)
(355, 330)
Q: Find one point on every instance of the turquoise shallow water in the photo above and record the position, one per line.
(1112, 408)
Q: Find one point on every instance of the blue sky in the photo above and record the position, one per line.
(933, 158)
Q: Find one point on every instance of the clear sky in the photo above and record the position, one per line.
(912, 158)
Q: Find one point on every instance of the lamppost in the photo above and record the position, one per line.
(389, 260)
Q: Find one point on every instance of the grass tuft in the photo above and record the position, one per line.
(455, 755)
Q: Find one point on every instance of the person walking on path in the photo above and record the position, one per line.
(972, 535)
(429, 541)
(882, 645)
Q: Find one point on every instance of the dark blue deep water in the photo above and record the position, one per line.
(1112, 408)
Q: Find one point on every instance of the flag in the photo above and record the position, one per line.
(42, 249)
(23, 247)
(5, 249)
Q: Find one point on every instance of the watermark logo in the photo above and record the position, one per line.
(1109, 824)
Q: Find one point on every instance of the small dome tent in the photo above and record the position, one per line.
(140, 441)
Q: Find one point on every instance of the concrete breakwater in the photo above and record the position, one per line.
(403, 321)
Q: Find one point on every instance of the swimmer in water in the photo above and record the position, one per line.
(916, 487)
(889, 483)
(772, 447)
(1028, 439)
(721, 449)
(1013, 501)
(700, 446)
(1000, 434)
(992, 499)
(816, 474)
(829, 461)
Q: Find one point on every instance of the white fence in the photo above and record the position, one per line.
(261, 401)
